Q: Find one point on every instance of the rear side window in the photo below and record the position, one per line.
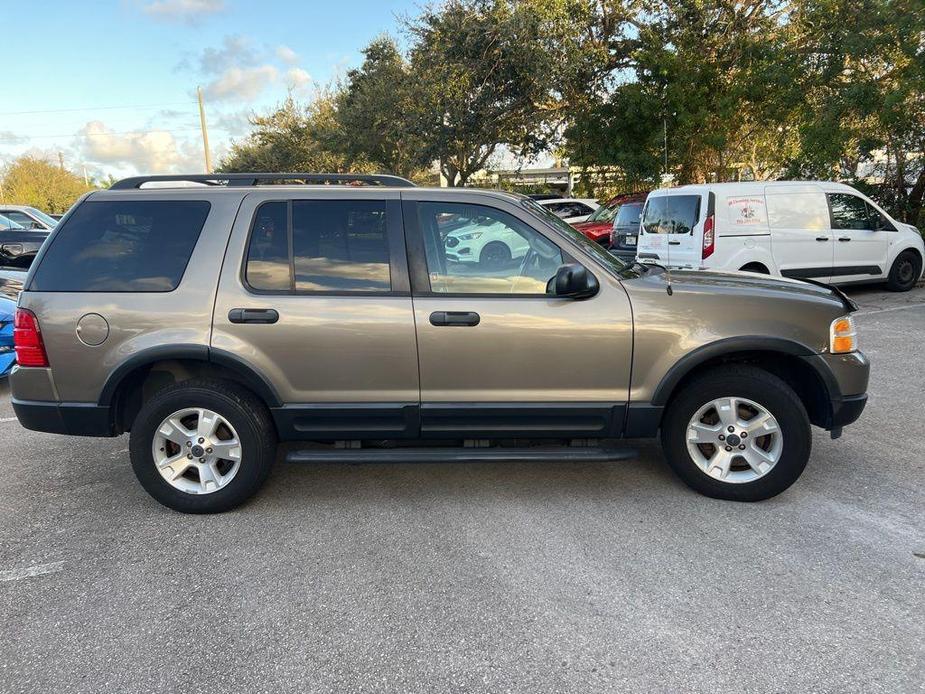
(122, 246)
(798, 211)
(671, 214)
(330, 246)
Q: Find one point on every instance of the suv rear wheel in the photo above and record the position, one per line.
(202, 446)
(737, 433)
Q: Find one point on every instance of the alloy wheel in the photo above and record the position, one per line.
(196, 451)
(734, 440)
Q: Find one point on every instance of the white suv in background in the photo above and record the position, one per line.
(827, 232)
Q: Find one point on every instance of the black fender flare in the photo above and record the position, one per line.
(249, 376)
(733, 345)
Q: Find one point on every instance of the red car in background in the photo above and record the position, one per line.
(597, 227)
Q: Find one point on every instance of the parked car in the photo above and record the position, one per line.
(10, 286)
(624, 233)
(18, 245)
(212, 322)
(598, 226)
(817, 230)
(571, 210)
(486, 242)
(27, 217)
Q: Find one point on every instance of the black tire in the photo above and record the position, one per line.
(760, 387)
(243, 410)
(905, 272)
(495, 256)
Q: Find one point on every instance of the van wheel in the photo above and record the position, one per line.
(905, 272)
(737, 433)
(202, 446)
(495, 256)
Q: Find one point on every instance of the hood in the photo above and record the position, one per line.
(756, 284)
(11, 284)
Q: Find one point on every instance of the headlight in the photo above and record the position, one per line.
(470, 236)
(842, 336)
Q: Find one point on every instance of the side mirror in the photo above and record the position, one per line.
(573, 281)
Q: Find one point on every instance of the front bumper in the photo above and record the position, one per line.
(846, 377)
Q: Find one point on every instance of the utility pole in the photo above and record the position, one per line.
(205, 131)
(61, 159)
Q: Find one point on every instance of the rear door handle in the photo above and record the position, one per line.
(674, 243)
(844, 238)
(823, 238)
(463, 318)
(253, 315)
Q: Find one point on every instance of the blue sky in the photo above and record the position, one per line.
(112, 84)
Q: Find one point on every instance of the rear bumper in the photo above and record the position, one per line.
(72, 418)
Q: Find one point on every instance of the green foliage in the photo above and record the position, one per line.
(293, 138)
(376, 113)
(40, 184)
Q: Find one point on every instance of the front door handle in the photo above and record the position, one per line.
(253, 315)
(463, 318)
(822, 238)
(844, 238)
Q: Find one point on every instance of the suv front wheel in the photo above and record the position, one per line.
(737, 433)
(202, 446)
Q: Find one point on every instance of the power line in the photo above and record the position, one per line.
(95, 108)
(18, 138)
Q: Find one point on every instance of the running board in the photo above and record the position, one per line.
(428, 454)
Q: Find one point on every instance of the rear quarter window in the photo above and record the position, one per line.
(671, 214)
(122, 246)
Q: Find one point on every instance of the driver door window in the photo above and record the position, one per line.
(474, 249)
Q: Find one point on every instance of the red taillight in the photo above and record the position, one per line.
(27, 338)
(709, 238)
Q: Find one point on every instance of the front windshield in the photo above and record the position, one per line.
(604, 213)
(7, 223)
(599, 252)
(44, 218)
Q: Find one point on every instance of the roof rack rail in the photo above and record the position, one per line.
(253, 179)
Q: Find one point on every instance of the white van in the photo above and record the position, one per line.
(828, 232)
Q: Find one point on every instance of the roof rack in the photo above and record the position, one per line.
(253, 179)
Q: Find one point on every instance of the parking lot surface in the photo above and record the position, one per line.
(488, 577)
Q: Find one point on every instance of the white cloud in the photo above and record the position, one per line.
(152, 151)
(297, 78)
(188, 11)
(8, 137)
(235, 50)
(287, 55)
(241, 84)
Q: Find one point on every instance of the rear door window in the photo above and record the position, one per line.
(671, 214)
(330, 246)
(122, 246)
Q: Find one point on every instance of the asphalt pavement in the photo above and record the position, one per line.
(480, 578)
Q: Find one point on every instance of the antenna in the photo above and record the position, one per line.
(668, 265)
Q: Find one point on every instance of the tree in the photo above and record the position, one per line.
(712, 75)
(863, 113)
(376, 112)
(482, 78)
(293, 138)
(38, 183)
